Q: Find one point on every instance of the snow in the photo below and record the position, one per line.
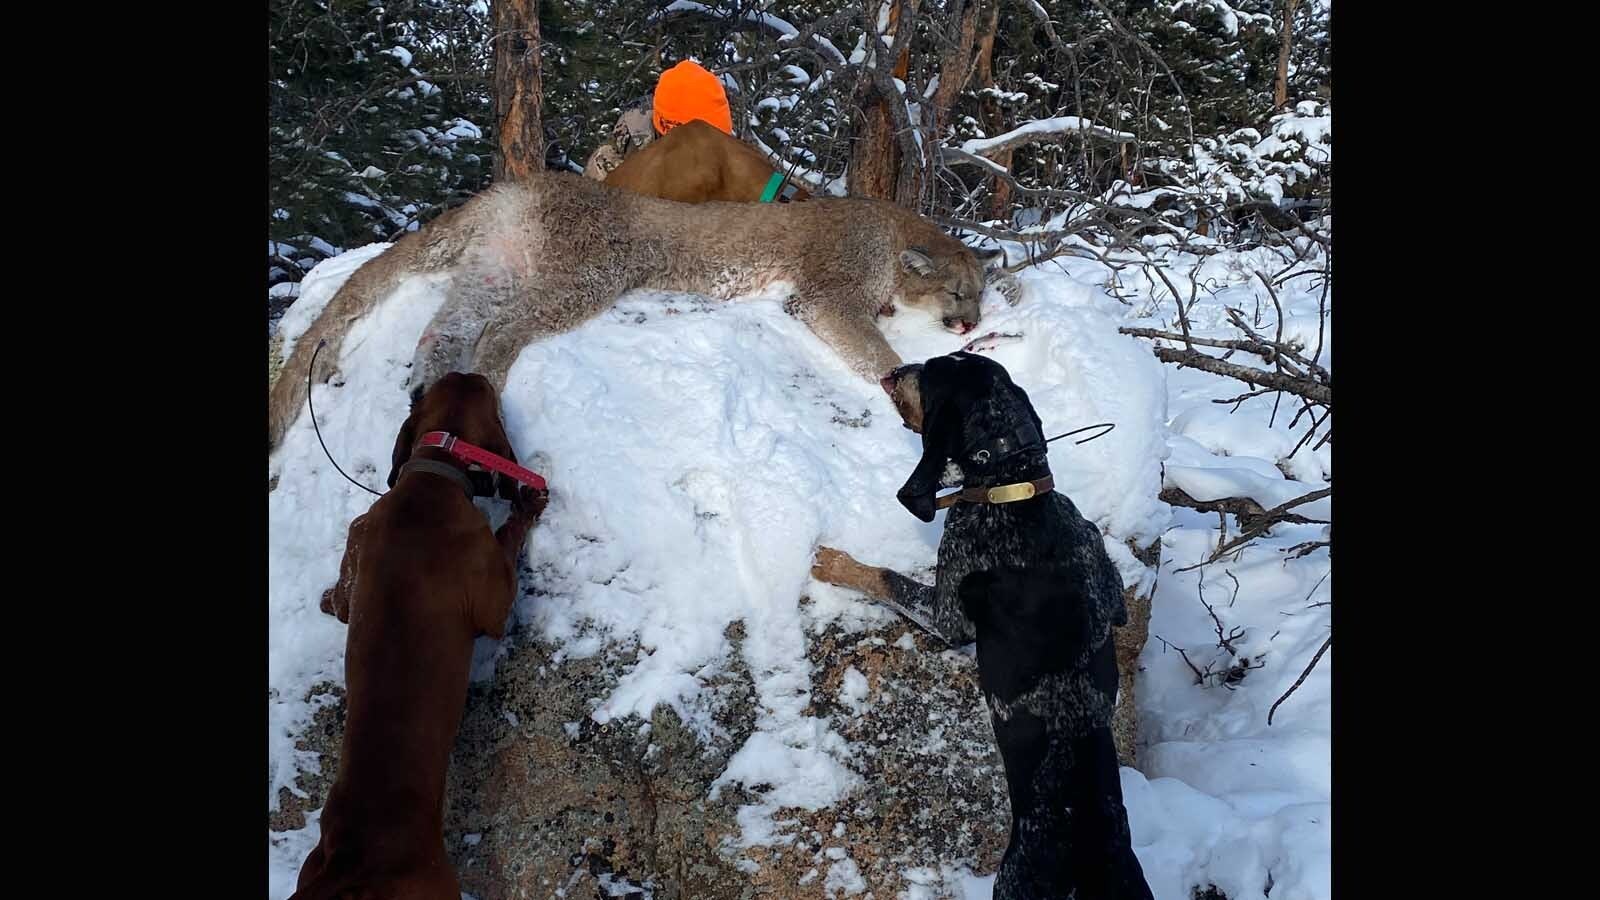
(853, 692)
(318, 287)
(321, 246)
(1227, 15)
(844, 879)
(698, 451)
(464, 130)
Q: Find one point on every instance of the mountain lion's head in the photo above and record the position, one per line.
(946, 281)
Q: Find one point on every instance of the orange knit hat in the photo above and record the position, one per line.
(686, 92)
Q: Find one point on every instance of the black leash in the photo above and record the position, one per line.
(1106, 425)
(312, 368)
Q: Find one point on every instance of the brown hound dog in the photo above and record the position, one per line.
(421, 577)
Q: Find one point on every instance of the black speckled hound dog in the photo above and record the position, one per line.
(1025, 575)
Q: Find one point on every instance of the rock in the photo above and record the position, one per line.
(541, 798)
(323, 738)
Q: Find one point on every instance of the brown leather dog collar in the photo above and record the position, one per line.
(1000, 493)
(434, 467)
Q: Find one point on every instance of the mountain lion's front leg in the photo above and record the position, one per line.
(858, 342)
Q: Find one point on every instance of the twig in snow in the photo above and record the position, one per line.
(1234, 633)
(1239, 400)
(1301, 680)
(1306, 548)
(1199, 677)
(1318, 584)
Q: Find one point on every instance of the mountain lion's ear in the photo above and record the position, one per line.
(917, 261)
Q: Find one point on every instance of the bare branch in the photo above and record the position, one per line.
(1194, 359)
(1301, 680)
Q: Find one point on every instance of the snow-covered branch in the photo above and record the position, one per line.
(1040, 129)
(1044, 19)
(784, 30)
(956, 155)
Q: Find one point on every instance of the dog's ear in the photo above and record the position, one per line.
(407, 437)
(941, 432)
(402, 448)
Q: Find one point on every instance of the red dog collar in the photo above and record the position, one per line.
(472, 453)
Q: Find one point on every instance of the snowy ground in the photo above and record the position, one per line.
(698, 451)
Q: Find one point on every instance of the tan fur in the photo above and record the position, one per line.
(694, 163)
(541, 256)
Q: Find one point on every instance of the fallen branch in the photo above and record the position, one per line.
(1242, 508)
(1271, 517)
(1264, 350)
(1279, 347)
(1301, 680)
(1194, 359)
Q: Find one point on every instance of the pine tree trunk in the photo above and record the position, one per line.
(1280, 86)
(518, 130)
(955, 70)
(989, 114)
(875, 157)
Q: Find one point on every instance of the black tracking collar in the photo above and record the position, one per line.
(998, 449)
